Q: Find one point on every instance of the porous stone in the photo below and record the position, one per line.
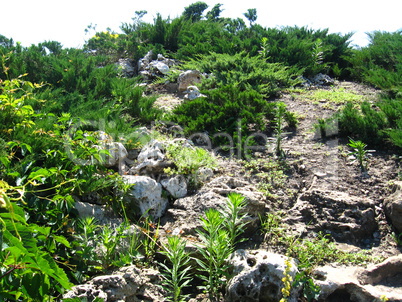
(125, 68)
(151, 160)
(352, 283)
(346, 218)
(258, 276)
(130, 284)
(393, 207)
(175, 185)
(145, 197)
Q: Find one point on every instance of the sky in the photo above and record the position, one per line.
(32, 22)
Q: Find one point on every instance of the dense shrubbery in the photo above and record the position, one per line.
(378, 64)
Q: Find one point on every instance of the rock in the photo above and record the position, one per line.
(388, 271)
(192, 93)
(188, 78)
(393, 207)
(117, 153)
(175, 185)
(151, 160)
(144, 62)
(150, 69)
(346, 218)
(102, 214)
(184, 214)
(342, 283)
(129, 283)
(258, 276)
(145, 197)
(204, 174)
(126, 68)
(161, 67)
(323, 80)
(318, 80)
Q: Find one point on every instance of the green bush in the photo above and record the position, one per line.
(380, 63)
(243, 72)
(226, 110)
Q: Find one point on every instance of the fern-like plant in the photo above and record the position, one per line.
(176, 273)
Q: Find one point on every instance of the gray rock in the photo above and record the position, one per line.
(160, 66)
(258, 276)
(175, 185)
(130, 284)
(393, 207)
(102, 214)
(145, 197)
(347, 218)
(151, 160)
(117, 153)
(342, 283)
(125, 68)
(192, 93)
(188, 78)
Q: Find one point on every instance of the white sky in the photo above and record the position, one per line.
(32, 22)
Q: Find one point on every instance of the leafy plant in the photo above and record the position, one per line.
(188, 161)
(27, 267)
(279, 117)
(215, 250)
(177, 272)
(360, 153)
(235, 216)
(219, 234)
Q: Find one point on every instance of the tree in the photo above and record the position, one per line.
(194, 11)
(251, 15)
(214, 13)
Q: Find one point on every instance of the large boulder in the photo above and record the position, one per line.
(393, 207)
(130, 284)
(258, 276)
(145, 197)
(346, 218)
(188, 78)
(378, 281)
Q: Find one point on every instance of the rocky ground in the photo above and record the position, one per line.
(319, 189)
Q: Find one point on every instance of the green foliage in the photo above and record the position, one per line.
(279, 116)
(215, 250)
(380, 63)
(364, 123)
(251, 15)
(194, 11)
(243, 72)
(235, 217)
(177, 272)
(360, 153)
(218, 236)
(188, 160)
(27, 266)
